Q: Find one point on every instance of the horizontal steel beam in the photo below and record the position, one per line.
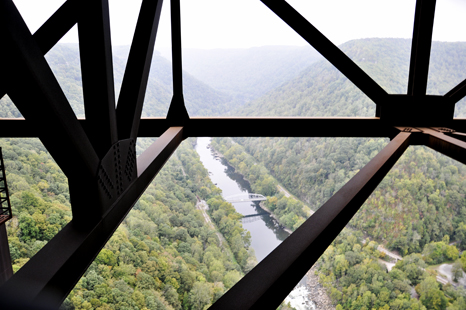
(240, 127)
(53, 272)
(370, 127)
(267, 285)
(275, 127)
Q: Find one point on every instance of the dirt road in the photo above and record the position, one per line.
(202, 206)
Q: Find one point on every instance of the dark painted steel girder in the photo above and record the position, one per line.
(420, 48)
(53, 272)
(267, 285)
(364, 127)
(177, 113)
(95, 49)
(325, 47)
(133, 89)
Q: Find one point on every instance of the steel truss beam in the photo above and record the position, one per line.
(241, 127)
(87, 148)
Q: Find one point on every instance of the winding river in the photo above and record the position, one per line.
(266, 233)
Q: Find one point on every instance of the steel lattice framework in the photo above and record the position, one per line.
(97, 154)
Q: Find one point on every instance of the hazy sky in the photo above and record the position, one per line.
(247, 23)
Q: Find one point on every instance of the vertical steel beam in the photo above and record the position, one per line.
(325, 47)
(95, 48)
(6, 269)
(267, 285)
(420, 47)
(177, 113)
(133, 89)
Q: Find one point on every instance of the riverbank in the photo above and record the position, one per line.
(317, 293)
(275, 218)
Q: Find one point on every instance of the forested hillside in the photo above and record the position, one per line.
(321, 90)
(247, 74)
(200, 99)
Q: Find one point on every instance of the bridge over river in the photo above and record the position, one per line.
(244, 197)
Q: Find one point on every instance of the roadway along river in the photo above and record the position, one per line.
(266, 234)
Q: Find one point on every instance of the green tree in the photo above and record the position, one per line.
(201, 295)
(431, 296)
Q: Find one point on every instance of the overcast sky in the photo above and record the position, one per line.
(248, 23)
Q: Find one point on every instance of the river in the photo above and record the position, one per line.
(266, 234)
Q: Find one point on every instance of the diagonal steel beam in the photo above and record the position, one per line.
(95, 48)
(133, 89)
(54, 29)
(420, 47)
(267, 285)
(37, 94)
(457, 93)
(325, 47)
(48, 277)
